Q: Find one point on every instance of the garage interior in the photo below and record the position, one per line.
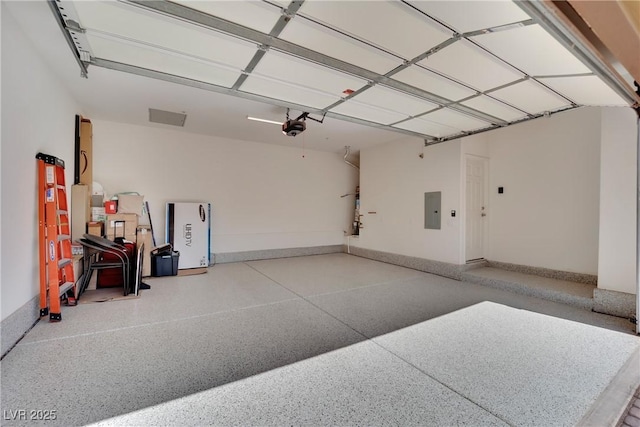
(488, 149)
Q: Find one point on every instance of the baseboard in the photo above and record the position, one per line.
(475, 264)
(225, 257)
(589, 279)
(453, 271)
(526, 288)
(18, 323)
(614, 303)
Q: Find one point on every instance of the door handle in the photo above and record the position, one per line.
(483, 214)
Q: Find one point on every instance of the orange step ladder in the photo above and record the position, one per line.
(56, 260)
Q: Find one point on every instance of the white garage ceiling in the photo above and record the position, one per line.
(434, 69)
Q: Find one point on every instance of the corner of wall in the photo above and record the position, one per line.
(614, 303)
(14, 326)
(618, 181)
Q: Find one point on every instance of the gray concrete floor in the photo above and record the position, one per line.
(319, 340)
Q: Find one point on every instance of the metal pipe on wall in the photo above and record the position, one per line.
(347, 149)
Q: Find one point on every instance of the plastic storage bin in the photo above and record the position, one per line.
(165, 264)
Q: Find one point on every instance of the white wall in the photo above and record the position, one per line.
(1, 138)
(37, 115)
(393, 180)
(262, 196)
(616, 268)
(548, 215)
(476, 145)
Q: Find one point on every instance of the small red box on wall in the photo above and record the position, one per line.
(111, 207)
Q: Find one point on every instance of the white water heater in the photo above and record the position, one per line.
(189, 230)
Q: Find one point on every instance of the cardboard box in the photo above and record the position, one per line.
(98, 214)
(95, 228)
(121, 225)
(86, 153)
(143, 236)
(80, 211)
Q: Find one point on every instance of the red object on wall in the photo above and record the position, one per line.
(110, 207)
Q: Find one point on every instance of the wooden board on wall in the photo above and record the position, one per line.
(86, 153)
(76, 152)
(80, 210)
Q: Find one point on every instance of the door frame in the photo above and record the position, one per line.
(485, 237)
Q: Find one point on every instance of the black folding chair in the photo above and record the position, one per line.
(94, 249)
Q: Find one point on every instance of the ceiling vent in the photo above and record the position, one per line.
(167, 117)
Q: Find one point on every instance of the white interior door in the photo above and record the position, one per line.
(476, 208)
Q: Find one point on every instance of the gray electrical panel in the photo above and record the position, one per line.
(432, 210)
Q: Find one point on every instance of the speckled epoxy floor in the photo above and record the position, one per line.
(315, 340)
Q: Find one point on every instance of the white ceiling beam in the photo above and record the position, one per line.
(275, 32)
(158, 75)
(474, 132)
(218, 24)
(67, 36)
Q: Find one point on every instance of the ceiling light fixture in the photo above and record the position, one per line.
(291, 127)
(297, 126)
(263, 120)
